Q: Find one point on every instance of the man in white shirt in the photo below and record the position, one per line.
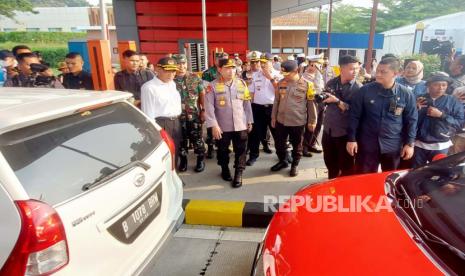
(262, 88)
(162, 102)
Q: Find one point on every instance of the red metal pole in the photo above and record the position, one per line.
(374, 13)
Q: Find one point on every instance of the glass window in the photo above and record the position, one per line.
(288, 50)
(9, 29)
(347, 52)
(319, 51)
(32, 29)
(54, 29)
(436, 197)
(53, 160)
(298, 50)
(276, 50)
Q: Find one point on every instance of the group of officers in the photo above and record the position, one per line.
(381, 123)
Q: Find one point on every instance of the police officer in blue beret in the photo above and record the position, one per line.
(383, 121)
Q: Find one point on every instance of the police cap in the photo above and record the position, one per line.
(226, 62)
(288, 67)
(266, 57)
(168, 64)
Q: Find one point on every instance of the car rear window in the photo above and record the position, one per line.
(55, 159)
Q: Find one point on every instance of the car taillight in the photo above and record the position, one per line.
(169, 141)
(41, 248)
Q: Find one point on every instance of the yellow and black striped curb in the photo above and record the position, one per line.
(227, 213)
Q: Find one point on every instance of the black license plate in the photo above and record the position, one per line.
(129, 227)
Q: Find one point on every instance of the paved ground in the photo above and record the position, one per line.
(258, 180)
(204, 250)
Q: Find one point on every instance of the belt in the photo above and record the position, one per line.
(264, 105)
(168, 118)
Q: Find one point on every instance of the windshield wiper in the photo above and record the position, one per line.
(104, 177)
(420, 233)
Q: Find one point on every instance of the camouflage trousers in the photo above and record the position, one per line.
(192, 131)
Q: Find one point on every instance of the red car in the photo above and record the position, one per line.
(407, 223)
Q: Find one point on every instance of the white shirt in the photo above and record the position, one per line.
(263, 89)
(160, 99)
(433, 146)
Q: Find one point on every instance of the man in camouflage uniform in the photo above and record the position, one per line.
(208, 76)
(192, 93)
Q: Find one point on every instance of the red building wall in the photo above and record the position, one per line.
(162, 24)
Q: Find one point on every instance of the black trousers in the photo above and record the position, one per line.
(295, 134)
(311, 138)
(173, 127)
(262, 121)
(239, 141)
(337, 159)
(369, 161)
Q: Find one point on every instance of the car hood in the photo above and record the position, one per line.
(303, 241)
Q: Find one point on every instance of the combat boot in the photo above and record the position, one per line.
(182, 164)
(294, 171)
(200, 167)
(237, 182)
(226, 173)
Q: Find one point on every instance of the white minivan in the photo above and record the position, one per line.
(87, 184)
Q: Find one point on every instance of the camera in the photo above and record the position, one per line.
(36, 80)
(319, 98)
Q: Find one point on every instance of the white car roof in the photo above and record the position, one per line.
(20, 107)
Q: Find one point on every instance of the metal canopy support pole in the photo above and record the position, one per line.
(318, 31)
(204, 27)
(374, 12)
(330, 27)
(103, 20)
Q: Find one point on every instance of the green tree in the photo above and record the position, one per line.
(391, 14)
(8, 7)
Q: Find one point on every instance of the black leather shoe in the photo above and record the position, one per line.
(266, 149)
(226, 174)
(210, 152)
(237, 182)
(307, 154)
(294, 171)
(315, 150)
(200, 167)
(251, 161)
(279, 166)
(182, 164)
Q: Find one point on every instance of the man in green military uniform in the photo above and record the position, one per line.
(192, 93)
(210, 75)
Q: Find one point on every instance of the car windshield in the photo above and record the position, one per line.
(55, 159)
(436, 193)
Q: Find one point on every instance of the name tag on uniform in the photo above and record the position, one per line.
(398, 111)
